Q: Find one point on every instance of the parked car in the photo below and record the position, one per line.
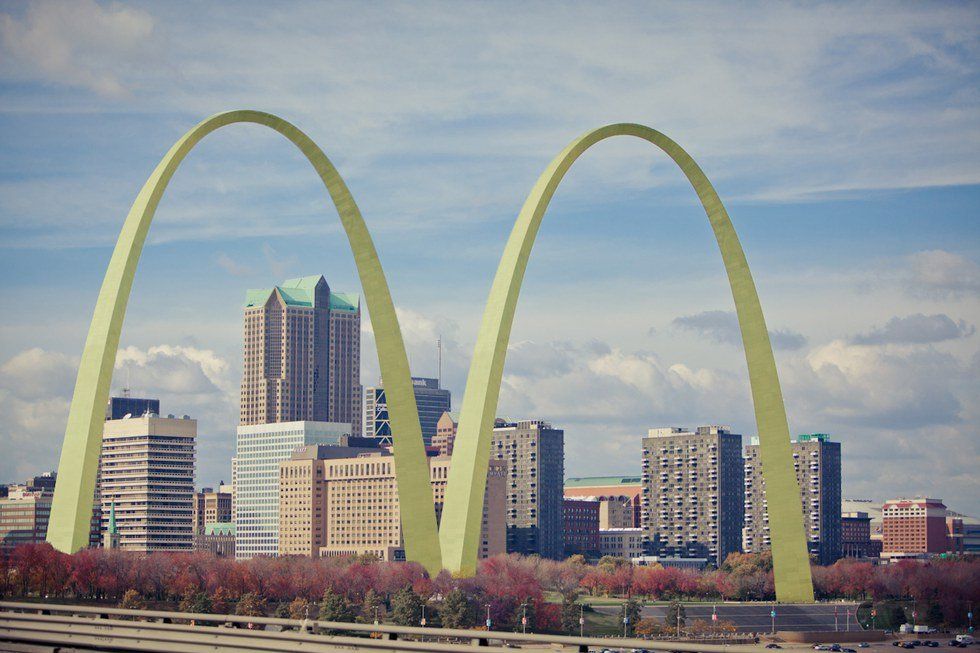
(848, 650)
(965, 639)
(823, 647)
(908, 645)
(863, 645)
(773, 645)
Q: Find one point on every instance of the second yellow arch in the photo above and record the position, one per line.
(460, 525)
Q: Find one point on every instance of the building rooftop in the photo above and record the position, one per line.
(299, 292)
(220, 528)
(602, 481)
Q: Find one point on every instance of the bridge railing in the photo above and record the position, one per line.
(44, 622)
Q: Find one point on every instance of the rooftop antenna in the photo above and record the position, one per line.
(125, 390)
(439, 350)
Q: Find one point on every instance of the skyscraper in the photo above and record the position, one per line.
(302, 354)
(147, 476)
(817, 462)
(430, 400)
(535, 457)
(692, 492)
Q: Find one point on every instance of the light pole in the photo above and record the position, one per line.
(376, 619)
(581, 621)
(489, 623)
(772, 615)
(524, 617)
(626, 620)
(422, 622)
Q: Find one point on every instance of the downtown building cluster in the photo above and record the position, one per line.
(313, 472)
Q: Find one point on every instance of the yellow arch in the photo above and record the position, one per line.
(460, 525)
(72, 505)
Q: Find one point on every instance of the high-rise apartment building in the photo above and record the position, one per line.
(535, 456)
(302, 359)
(430, 400)
(692, 492)
(817, 461)
(259, 450)
(340, 500)
(211, 507)
(147, 475)
(619, 498)
(912, 527)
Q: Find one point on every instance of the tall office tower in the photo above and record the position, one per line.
(211, 507)
(817, 462)
(302, 354)
(147, 473)
(259, 450)
(445, 435)
(119, 407)
(430, 400)
(338, 500)
(535, 457)
(692, 492)
(619, 498)
(345, 360)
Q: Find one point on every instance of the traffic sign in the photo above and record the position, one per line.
(488, 624)
(772, 614)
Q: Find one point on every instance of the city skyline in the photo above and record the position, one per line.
(875, 312)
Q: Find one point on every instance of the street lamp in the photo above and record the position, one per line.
(422, 622)
(524, 617)
(489, 623)
(581, 621)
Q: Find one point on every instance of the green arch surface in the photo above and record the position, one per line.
(71, 509)
(461, 516)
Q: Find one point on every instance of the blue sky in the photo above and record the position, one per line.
(844, 139)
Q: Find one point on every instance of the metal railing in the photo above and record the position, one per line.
(115, 629)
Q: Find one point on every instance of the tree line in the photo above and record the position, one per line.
(506, 589)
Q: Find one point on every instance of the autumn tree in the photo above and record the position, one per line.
(371, 607)
(250, 605)
(132, 600)
(631, 613)
(571, 612)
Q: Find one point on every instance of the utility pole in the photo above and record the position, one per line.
(439, 352)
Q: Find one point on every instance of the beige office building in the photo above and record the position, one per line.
(212, 507)
(147, 473)
(337, 506)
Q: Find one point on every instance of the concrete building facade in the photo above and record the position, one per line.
(147, 475)
(258, 451)
(211, 507)
(817, 463)
(534, 453)
(337, 501)
(621, 542)
(445, 435)
(692, 503)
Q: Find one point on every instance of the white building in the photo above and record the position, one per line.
(621, 542)
(147, 474)
(259, 450)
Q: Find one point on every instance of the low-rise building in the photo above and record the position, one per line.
(218, 539)
(621, 542)
(912, 527)
(581, 526)
(619, 497)
(856, 535)
(212, 507)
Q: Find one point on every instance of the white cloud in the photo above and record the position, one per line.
(36, 387)
(78, 43)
